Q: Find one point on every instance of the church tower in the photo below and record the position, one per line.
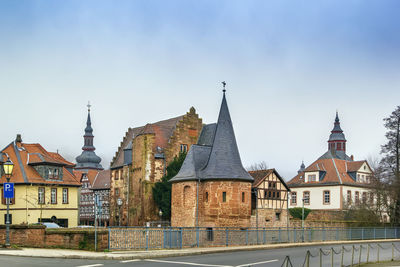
(337, 141)
(88, 159)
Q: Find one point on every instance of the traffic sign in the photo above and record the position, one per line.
(8, 190)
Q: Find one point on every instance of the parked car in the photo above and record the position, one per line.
(50, 225)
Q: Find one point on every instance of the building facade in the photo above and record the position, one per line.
(141, 161)
(101, 191)
(46, 189)
(212, 189)
(269, 199)
(334, 181)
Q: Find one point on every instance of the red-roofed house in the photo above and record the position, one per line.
(334, 181)
(46, 188)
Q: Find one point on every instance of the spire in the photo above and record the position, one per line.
(88, 159)
(337, 140)
(224, 161)
(302, 167)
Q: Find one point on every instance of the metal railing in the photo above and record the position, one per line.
(127, 238)
(359, 254)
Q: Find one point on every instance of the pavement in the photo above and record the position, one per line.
(152, 254)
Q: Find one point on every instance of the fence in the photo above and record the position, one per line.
(127, 238)
(359, 254)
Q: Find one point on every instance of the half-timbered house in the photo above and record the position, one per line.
(269, 199)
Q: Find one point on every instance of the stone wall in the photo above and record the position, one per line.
(38, 236)
(213, 211)
(269, 218)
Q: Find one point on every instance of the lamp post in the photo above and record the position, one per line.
(8, 167)
(119, 203)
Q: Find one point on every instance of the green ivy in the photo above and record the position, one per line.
(162, 189)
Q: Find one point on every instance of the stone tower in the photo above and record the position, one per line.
(212, 189)
(88, 160)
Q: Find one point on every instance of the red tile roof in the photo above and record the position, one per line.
(333, 171)
(25, 155)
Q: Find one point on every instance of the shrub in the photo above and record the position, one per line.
(297, 212)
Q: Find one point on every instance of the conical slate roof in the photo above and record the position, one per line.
(216, 156)
(337, 132)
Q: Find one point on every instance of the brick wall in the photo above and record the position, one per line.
(38, 236)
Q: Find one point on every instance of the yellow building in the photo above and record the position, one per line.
(45, 187)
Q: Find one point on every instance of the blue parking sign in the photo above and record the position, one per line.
(8, 190)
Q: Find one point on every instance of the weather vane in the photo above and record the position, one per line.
(224, 84)
(88, 105)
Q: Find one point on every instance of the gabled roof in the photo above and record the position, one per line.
(23, 155)
(260, 175)
(162, 130)
(222, 160)
(102, 180)
(333, 171)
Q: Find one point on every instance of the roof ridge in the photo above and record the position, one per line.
(337, 172)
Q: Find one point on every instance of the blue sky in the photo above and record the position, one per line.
(289, 66)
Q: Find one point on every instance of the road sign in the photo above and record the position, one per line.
(8, 190)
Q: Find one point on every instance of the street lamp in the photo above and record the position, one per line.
(119, 203)
(8, 167)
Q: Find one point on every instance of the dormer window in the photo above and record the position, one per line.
(312, 178)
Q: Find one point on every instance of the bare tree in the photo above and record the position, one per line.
(262, 165)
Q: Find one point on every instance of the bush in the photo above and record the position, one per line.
(297, 212)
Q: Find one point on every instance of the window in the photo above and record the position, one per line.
(294, 198)
(312, 178)
(357, 197)
(265, 193)
(116, 175)
(116, 191)
(327, 197)
(54, 196)
(306, 197)
(223, 196)
(278, 216)
(206, 196)
(65, 196)
(273, 194)
(278, 195)
(243, 197)
(210, 234)
(358, 177)
(364, 197)
(339, 146)
(183, 148)
(348, 197)
(41, 195)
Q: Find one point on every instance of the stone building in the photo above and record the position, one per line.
(141, 161)
(333, 182)
(269, 199)
(212, 189)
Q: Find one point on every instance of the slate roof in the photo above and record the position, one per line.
(102, 180)
(24, 173)
(216, 160)
(333, 171)
(162, 130)
(338, 155)
(260, 175)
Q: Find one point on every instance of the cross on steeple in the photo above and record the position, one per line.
(88, 105)
(224, 85)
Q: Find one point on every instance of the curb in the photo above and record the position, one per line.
(127, 255)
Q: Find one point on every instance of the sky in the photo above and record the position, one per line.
(289, 65)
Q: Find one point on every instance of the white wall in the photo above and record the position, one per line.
(316, 197)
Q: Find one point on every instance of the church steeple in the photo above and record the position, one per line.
(337, 141)
(88, 159)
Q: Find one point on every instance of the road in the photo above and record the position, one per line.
(258, 258)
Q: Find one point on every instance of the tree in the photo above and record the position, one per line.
(262, 165)
(162, 189)
(390, 164)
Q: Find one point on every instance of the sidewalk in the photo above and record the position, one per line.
(128, 255)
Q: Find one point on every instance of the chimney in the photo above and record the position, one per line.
(352, 158)
(18, 139)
